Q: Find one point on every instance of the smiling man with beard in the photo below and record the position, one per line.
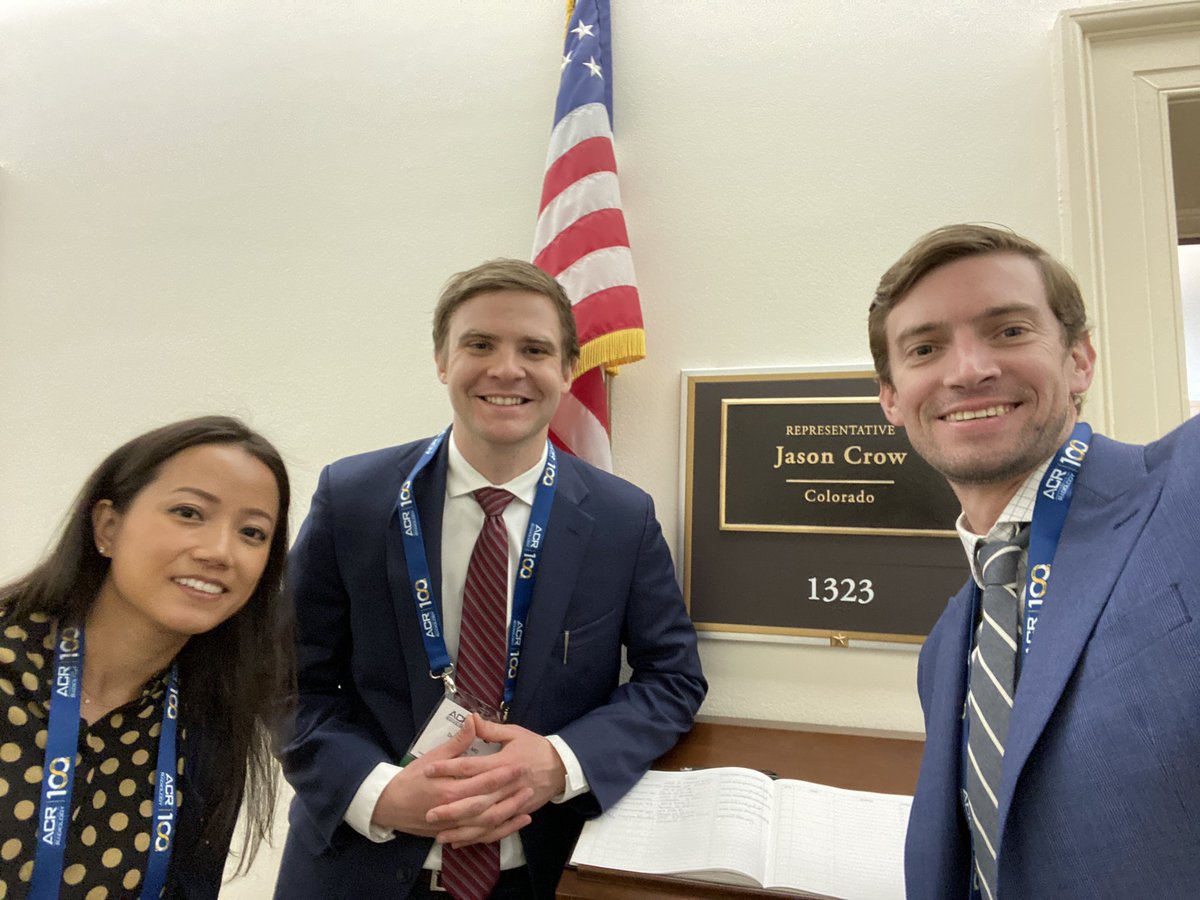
(1061, 685)
(485, 568)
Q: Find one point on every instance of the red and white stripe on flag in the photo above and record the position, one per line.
(581, 238)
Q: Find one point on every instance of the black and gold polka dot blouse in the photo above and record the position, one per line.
(113, 798)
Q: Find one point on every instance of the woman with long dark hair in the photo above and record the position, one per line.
(143, 667)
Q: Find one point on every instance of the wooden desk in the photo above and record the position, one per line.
(885, 765)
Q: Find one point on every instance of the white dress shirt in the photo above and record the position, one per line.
(462, 520)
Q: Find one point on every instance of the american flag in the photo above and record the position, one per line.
(581, 238)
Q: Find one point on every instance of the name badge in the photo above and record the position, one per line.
(446, 721)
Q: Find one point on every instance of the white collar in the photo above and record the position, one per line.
(1017, 513)
(463, 478)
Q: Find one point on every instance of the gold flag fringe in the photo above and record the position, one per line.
(612, 350)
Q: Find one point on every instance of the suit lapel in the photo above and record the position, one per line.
(1100, 532)
(950, 686)
(934, 835)
(567, 536)
(429, 492)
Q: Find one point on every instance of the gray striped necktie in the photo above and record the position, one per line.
(990, 699)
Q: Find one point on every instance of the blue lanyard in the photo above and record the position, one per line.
(62, 743)
(1049, 515)
(1055, 492)
(440, 665)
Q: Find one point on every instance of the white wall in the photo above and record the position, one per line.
(1189, 284)
(250, 206)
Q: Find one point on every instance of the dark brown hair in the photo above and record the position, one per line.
(954, 242)
(237, 681)
(505, 275)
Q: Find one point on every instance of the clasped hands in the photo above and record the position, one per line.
(461, 800)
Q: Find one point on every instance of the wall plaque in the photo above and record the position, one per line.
(808, 513)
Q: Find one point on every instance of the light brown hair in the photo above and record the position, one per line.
(953, 242)
(505, 275)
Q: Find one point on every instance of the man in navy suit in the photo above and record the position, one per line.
(575, 738)
(981, 345)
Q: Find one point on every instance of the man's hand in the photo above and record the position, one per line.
(487, 800)
(537, 774)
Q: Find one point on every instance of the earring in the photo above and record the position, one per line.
(100, 550)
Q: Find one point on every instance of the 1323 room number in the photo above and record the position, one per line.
(841, 590)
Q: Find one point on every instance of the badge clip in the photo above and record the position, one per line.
(446, 676)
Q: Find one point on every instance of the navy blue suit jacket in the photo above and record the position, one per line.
(606, 576)
(1100, 789)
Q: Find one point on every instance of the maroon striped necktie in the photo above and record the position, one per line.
(471, 872)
